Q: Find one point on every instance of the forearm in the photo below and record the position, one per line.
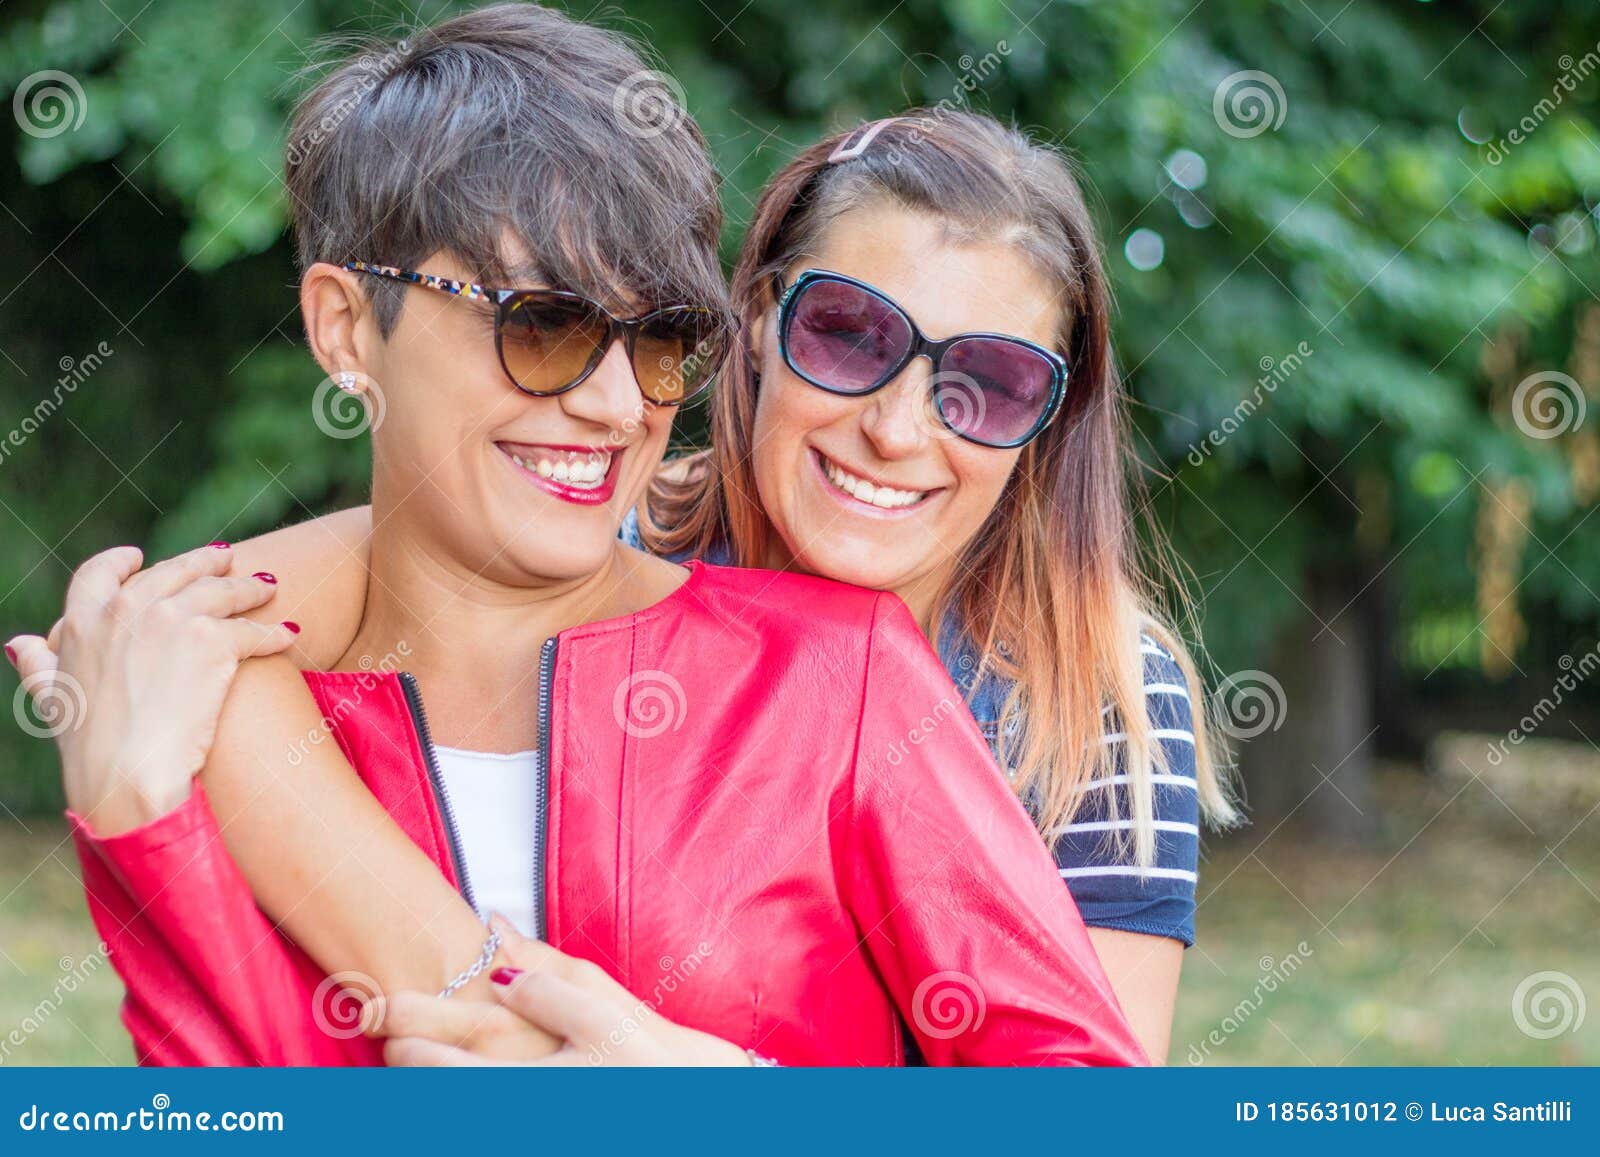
(1144, 972)
(209, 982)
(323, 858)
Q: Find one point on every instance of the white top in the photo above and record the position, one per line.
(492, 799)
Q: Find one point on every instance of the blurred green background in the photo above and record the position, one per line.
(1354, 247)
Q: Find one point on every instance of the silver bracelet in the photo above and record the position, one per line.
(490, 947)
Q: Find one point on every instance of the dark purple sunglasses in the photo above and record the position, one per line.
(846, 337)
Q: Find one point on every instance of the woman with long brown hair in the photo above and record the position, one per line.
(1024, 564)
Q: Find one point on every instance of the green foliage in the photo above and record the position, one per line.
(1366, 225)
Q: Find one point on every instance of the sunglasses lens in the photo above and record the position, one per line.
(546, 343)
(676, 353)
(843, 337)
(993, 392)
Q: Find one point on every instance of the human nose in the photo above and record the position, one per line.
(610, 395)
(895, 420)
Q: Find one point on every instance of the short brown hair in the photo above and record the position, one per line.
(517, 118)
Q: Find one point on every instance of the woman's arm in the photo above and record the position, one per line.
(1140, 923)
(144, 665)
(323, 859)
(1143, 971)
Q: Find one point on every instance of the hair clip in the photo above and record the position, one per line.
(846, 151)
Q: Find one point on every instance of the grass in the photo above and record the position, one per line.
(48, 1015)
(1413, 950)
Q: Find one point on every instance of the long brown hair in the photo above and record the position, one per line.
(1053, 589)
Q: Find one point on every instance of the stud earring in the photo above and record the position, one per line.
(348, 382)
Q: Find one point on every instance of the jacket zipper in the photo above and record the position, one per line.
(419, 718)
(541, 787)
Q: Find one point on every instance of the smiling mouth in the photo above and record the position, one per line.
(853, 486)
(579, 474)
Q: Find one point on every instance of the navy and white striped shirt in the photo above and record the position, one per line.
(1110, 890)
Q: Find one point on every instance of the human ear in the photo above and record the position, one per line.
(340, 322)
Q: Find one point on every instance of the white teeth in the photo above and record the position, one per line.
(586, 471)
(884, 497)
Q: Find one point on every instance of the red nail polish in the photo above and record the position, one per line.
(294, 628)
(505, 975)
(219, 544)
(11, 655)
(265, 576)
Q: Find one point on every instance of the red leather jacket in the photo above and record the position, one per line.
(765, 810)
